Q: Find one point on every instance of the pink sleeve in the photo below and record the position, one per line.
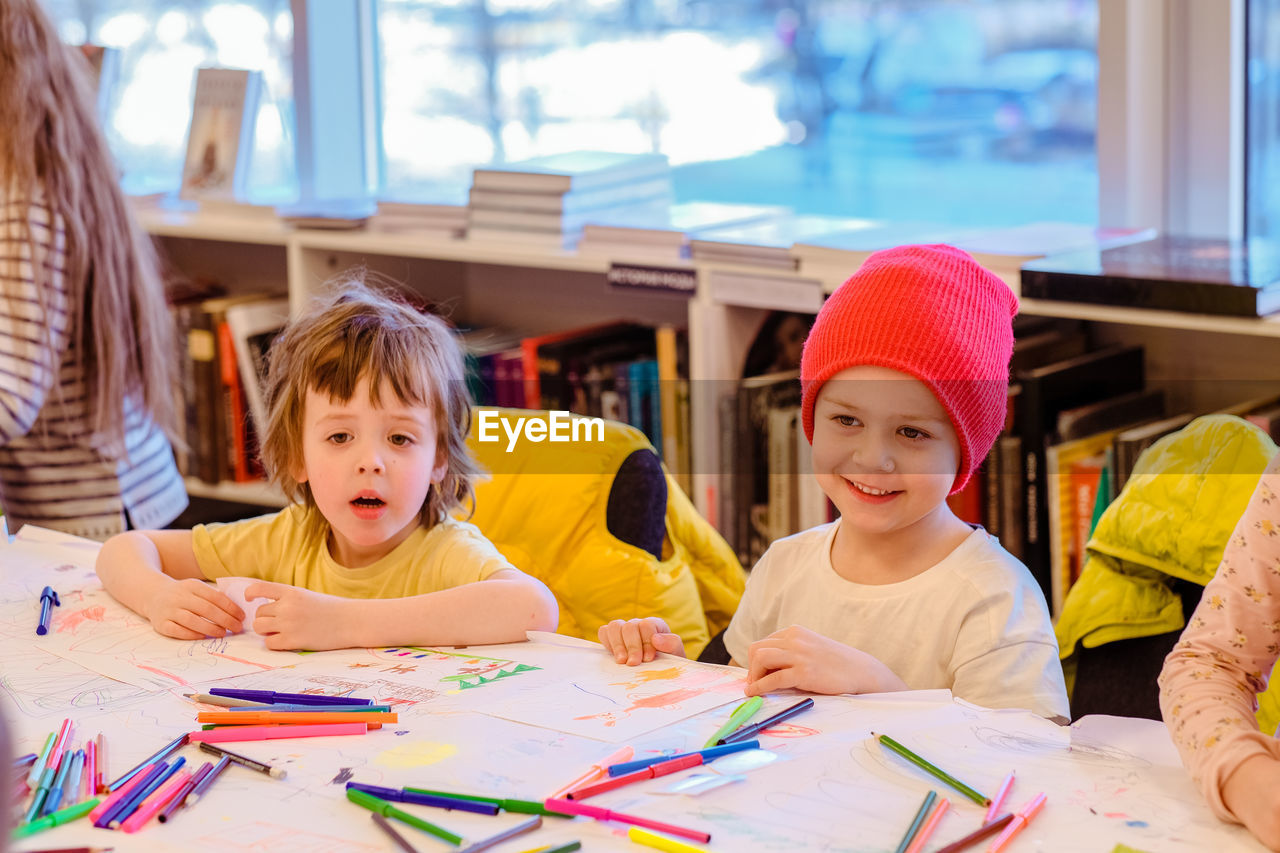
(1212, 676)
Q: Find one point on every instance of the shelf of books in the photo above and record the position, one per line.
(1109, 356)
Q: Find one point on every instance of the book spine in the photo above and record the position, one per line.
(1086, 476)
(1011, 495)
(233, 407)
(668, 377)
(207, 425)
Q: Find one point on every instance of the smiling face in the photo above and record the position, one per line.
(884, 452)
(370, 466)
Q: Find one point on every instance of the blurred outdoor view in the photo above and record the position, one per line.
(958, 111)
(1262, 179)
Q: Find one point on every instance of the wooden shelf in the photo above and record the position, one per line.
(409, 245)
(217, 226)
(1265, 327)
(259, 492)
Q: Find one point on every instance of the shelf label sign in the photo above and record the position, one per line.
(653, 279)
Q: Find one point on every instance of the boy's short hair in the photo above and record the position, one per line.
(357, 331)
(931, 312)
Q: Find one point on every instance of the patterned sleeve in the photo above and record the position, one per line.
(1210, 680)
(33, 326)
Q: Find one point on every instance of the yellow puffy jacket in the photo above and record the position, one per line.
(1172, 519)
(544, 506)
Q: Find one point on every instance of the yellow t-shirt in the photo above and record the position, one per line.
(291, 547)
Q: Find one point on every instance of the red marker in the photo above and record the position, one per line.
(662, 768)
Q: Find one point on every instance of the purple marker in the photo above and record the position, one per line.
(399, 795)
(271, 697)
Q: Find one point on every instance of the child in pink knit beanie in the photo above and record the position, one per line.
(905, 382)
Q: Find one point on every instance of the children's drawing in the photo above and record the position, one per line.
(94, 630)
(585, 692)
(40, 685)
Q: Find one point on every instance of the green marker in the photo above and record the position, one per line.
(57, 818)
(514, 806)
(382, 807)
(740, 715)
(890, 743)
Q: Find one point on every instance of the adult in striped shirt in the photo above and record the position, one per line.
(86, 343)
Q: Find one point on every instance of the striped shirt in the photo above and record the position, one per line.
(51, 475)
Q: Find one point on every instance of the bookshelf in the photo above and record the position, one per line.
(1206, 361)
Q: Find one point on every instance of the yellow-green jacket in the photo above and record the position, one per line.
(544, 507)
(1172, 519)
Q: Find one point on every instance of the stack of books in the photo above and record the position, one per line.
(671, 243)
(766, 243)
(546, 201)
(445, 221)
(835, 256)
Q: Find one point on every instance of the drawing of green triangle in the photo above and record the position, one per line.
(463, 685)
(524, 667)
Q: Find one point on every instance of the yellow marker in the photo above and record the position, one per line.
(661, 842)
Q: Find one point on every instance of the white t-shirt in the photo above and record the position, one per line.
(976, 622)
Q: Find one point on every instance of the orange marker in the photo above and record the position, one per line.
(917, 843)
(1020, 820)
(100, 768)
(600, 768)
(291, 718)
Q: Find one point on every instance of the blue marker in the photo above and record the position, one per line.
(41, 791)
(71, 766)
(48, 599)
(709, 754)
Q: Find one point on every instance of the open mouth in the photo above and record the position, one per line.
(369, 503)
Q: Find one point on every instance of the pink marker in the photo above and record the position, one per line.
(154, 802)
(90, 787)
(581, 808)
(114, 797)
(998, 800)
(238, 733)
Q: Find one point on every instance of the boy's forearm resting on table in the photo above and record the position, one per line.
(154, 573)
(132, 570)
(497, 610)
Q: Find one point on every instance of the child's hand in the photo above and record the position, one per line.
(636, 641)
(1252, 792)
(297, 618)
(191, 609)
(798, 658)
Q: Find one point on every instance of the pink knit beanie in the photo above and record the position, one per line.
(931, 312)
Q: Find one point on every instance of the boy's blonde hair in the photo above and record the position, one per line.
(356, 332)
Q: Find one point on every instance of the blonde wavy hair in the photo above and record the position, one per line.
(356, 331)
(53, 152)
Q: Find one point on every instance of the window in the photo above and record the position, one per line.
(148, 99)
(1262, 105)
(956, 111)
